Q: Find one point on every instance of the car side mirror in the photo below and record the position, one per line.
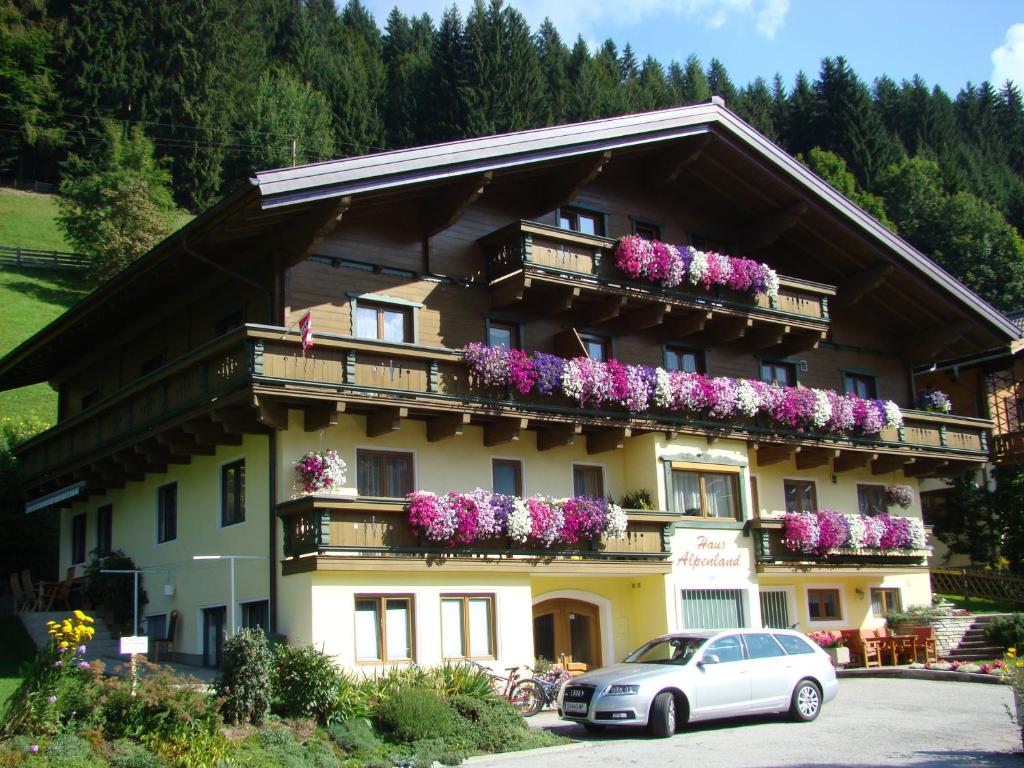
(710, 658)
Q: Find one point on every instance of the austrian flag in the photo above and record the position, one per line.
(306, 330)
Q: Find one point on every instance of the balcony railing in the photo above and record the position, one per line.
(769, 550)
(544, 252)
(366, 529)
(1008, 448)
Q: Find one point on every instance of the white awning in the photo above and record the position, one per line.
(55, 497)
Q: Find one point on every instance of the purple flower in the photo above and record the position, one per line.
(833, 530)
(34, 748)
(549, 369)
(52, 699)
(83, 665)
(58, 663)
(81, 649)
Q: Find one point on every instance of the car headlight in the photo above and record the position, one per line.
(622, 690)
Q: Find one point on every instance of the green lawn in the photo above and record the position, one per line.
(28, 220)
(16, 648)
(983, 604)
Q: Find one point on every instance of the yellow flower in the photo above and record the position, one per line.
(64, 645)
(1011, 653)
(79, 615)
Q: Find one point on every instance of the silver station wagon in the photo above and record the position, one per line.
(692, 676)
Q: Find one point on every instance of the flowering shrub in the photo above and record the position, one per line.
(934, 401)
(655, 262)
(465, 518)
(899, 495)
(823, 531)
(638, 388)
(827, 639)
(319, 471)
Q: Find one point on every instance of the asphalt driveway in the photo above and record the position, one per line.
(872, 722)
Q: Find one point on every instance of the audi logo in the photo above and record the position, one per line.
(575, 693)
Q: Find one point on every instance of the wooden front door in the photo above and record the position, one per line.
(568, 632)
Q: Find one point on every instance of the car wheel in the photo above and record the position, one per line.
(806, 702)
(662, 720)
(594, 727)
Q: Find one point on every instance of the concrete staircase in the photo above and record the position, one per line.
(103, 646)
(974, 646)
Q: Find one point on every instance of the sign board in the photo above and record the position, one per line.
(135, 644)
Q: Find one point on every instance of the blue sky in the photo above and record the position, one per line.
(948, 42)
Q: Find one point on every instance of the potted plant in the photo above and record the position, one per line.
(834, 644)
(319, 472)
(901, 496)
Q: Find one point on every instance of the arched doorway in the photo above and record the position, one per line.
(567, 630)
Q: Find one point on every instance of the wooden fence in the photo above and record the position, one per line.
(36, 259)
(962, 581)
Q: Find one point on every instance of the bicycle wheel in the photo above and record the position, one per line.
(527, 697)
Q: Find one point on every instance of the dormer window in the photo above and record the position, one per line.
(580, 220)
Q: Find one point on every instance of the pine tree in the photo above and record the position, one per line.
(654, 92)
(754, 104)
(798, 131)
(406, 53)
(720, 84)
(553, 58)
(694, 88)
(448, 76)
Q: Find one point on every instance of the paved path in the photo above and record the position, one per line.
(871, 722)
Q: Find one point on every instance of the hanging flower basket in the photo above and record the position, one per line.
(901, 496)
(319, 472)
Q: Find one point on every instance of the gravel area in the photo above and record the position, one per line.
(872, 722)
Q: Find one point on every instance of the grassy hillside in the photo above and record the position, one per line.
(29, 220)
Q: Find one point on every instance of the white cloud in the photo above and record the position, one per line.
(1008, 59)
(602, 19)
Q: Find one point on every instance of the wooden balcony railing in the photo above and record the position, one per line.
(540, 250)
(365, 529)
(1008, 448)
(768, 534)
(938, 430)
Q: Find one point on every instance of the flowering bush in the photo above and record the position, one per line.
(638, 388)
(319, 471)
(827, 639)
(899, 495)
(821, 532)
(668, 265)
(934, 401)
(460, 519)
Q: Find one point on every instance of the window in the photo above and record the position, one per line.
(384, 322)
(727, 649)
(761, 645)
(871, 499)
(507, 476)
(152, 364)
(104, 530)
(78, 539)
(598, 348)
(256, 614)
(801, 495)
(579, 220)
(505, 335)
(587, 481)
(794, 644)
(712, 608)
(689, 360)
(884, 601)
(646, 230)
(167, 513)
(775, 609)
(383, 473)
(706, 494)
(863, 385)
(383, 628)
(232, 495)
(775, 372)
(823, 605)
(467, 626)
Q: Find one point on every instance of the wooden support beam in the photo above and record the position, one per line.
(509, 291)
(925, 468)
(561, 300)
(607, 440)
(240, 420)
(557, 436)
(795, 342)
(563, 185)
(889, 463)
(732, 329)
(317, 416)
(666, 167)
(847, 460)
(210, 433)
(604, 310)
(856, 287)
(159, 454)
(927, 345)
(809, 458)
(385, 421)
(681, 326)
(651, 317)
(503, 431)
(271, 413)
(182, 444)
(766, 336)
(301, 240)
(443, 210)
(443, 427)
(766, 230)
(774, 454)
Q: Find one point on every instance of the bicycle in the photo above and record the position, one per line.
(550, 682)
(525, 694)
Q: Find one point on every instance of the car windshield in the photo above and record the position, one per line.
(671, 650)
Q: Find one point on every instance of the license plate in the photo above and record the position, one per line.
(574, 706)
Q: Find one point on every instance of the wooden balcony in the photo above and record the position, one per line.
(770, 554)
(565, 272)
(332, 533)
(1008, 448)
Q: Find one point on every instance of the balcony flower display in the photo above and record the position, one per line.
(933, 401)
(639, 388)
(819, 533)
(461, 519)
(668, 265)
(319, 472)
(901, 496)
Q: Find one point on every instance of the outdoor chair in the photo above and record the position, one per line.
(926, 642)
(868, 647)
(167, 641)
(57, 593)
(32, 592)
(17, 593)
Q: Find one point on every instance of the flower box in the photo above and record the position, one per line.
(840, 656)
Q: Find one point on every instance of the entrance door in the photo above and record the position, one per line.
(214, 621)
(567, 631)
